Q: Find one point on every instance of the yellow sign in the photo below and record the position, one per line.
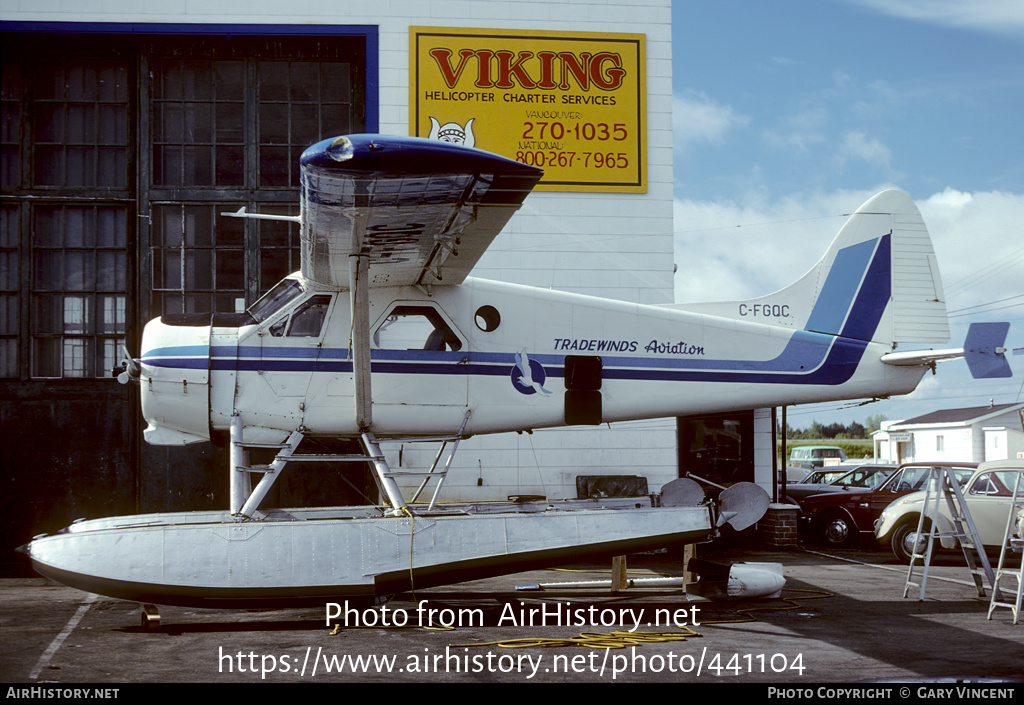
(572, 103)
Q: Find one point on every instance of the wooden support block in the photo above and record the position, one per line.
(150, 618)
(689, 551)
(619, 580)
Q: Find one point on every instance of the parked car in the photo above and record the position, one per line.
(793, 474)
(814, 456)
(988, 496)
(815, 477)
(841, 518)
(839, 479)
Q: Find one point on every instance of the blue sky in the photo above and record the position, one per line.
(788, 114)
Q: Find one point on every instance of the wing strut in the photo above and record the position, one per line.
(359, 291)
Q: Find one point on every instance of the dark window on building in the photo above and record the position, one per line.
(9, 287)
(718, 447)
(79, 282)
(67, 188)
(120, 152)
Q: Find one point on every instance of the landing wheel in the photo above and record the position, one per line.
(838, 531)
(906, 542)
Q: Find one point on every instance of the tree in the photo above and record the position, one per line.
(874, 422)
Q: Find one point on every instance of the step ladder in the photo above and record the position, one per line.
(941, 486)
(1011, 544)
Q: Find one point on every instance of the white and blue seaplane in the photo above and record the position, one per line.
(383, 335)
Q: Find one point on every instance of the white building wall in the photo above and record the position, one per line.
(956, 444)
(996, 444)
(1002, 443)
(605, 244)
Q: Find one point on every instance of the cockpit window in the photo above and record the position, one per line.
(306, 321)
(271, 302)
(415, 328)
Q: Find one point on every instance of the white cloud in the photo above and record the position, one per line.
(727, 250)
(995, 16)
(698, 118)
(857, 145)
(802, 131)
(979, 245)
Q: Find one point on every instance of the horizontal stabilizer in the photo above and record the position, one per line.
(984, 350)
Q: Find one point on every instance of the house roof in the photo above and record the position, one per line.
(966, 415)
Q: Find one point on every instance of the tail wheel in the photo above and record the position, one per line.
(838, 530)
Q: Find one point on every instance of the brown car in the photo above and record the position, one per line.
(841, 518)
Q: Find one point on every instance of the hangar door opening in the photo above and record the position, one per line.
(718, 447)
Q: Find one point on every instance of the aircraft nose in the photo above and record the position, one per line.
(175, 376)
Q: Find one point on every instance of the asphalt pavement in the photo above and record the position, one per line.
(842, 618)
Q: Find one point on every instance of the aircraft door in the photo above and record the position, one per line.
(289, 347)
(419, 370)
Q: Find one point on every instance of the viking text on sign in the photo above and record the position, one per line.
(550, 70)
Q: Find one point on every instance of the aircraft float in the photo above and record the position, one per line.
(384, 336)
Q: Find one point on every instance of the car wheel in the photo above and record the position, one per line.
(905, 542)
(838, 530)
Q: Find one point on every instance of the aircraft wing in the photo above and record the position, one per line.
(424, 211)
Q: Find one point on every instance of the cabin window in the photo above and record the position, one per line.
(415, 328)
(487, 318)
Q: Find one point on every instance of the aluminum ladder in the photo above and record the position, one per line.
(941, 485)
(1011, 544)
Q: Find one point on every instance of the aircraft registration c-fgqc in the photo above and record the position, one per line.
(384, 335)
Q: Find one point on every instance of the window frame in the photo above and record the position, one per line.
(268, 252)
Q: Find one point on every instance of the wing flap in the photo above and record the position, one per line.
(424, 211)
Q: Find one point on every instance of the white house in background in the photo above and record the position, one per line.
(977, 434)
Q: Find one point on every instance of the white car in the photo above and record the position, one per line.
(988, 495)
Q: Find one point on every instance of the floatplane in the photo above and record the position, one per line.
(383, 336)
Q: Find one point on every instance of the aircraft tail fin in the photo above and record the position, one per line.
(878, 281)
